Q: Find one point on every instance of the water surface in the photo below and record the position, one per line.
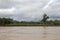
(30, 33)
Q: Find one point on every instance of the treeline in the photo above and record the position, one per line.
(5, 21)
(43, 22)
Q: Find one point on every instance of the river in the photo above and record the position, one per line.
(30, 33)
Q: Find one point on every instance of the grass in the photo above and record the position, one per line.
(29, 25)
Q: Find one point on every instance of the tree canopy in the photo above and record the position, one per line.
(6, 20)
(45, 17)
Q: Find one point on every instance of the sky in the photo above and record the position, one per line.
(29, 10)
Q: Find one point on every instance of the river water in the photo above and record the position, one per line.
(30, 33)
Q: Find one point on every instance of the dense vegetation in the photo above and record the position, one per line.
(5, 21)
(43, 22)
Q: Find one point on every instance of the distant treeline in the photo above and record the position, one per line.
(43, 22)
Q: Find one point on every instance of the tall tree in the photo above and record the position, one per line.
(45, 17)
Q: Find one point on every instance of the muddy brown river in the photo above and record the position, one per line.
(30, 33)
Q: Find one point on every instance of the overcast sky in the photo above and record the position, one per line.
(29, 10)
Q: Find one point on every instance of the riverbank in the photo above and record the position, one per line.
(29, 25)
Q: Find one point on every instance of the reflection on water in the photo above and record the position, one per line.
(29, 33)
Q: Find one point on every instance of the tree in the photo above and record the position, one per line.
(6, 21)
(45, 17)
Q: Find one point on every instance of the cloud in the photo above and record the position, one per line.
(29, 10)
(50, 2)
(7, 11)
(6, 4)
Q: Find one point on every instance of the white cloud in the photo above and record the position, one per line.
(7, 11)
(50, 2)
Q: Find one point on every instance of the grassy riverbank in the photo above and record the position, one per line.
(31, 24)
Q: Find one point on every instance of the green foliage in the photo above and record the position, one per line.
(56, 22)
(6, 20)
(45, 17)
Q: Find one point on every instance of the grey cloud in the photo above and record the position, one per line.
(4, 15)
(54, 10)
(6, 4)
(30, 10)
